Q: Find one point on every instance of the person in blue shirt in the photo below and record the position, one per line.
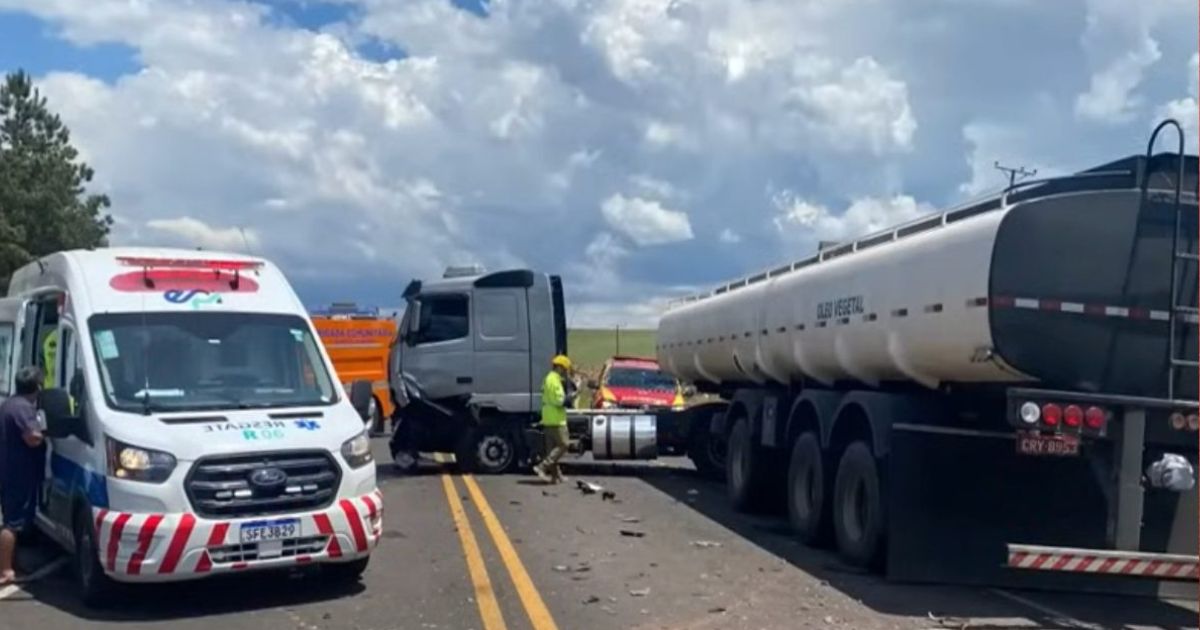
(22, 465)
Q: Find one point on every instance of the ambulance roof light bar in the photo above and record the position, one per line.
(189, 263)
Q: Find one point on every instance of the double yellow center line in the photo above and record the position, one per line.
(485, 596)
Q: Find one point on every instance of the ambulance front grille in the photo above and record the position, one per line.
(249, 552)
(221, 486)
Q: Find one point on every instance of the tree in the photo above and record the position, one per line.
(44, 205)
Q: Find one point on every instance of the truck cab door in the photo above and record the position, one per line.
(501, 333)
(438, 350)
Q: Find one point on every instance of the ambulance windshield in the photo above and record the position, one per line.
(194, 360)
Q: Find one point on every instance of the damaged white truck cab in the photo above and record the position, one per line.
(193, 421)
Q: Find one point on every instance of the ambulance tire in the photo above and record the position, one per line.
(345, 573)
(96, 589)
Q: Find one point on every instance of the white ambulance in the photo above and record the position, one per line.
(194, 424)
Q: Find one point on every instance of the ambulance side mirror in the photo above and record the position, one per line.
(360, 398)
(61, 420)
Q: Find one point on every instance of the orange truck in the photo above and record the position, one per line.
(358, 341)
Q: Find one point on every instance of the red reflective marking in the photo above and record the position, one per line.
(356, 526)
(114, 540)
(1107, 565)
(100, 523)
(145, 537)
(237, 566)
(216, 537)
(1139, 313)
(371, 510)
(326, 528)
(1003, 301)
(1062, 562)
(181, 280)
(175, 551)
(1093, 309)
(303, 559)
(204, 564)
(1039, 561)
(1050, 305)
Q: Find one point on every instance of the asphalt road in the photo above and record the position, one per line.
(487, 553)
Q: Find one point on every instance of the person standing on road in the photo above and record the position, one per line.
(22, 463)
(554, 419)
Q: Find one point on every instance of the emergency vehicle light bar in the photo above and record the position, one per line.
(189, 263)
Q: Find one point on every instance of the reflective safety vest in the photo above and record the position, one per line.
(49, 357)
(554, 410)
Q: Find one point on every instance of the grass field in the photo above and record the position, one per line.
(589, 347)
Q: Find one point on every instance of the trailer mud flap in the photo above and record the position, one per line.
(956, 499)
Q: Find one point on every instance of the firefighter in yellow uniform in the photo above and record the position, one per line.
(49, 358)
(554, 419)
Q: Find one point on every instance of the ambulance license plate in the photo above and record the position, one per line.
(259, 531)
(1048, 445)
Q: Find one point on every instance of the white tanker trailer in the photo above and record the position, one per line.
(1003, 392)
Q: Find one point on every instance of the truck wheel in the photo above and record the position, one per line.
(807, 510)
(488, 450)
(95, 587)
(375, 420)
(745, 473)
(707, 452)
(345, 572)
(858, 511)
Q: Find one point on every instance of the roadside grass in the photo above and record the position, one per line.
(589, 347)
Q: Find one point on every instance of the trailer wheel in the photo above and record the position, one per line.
(806, 494)
(858, 511)
(745, 470)
(707, 452)
(375, 420)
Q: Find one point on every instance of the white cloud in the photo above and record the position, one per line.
(495, 139)
(1119, 40)
(1184, 109)
(190, 232)
(646, 222)
(800, 220)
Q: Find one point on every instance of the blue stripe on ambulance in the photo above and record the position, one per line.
(69, 477)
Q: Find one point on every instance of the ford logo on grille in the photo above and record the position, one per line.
(268, 479)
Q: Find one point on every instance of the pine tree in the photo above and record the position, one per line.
(44, 205)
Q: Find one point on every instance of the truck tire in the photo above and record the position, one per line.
(746, 471)
(807, 492)
(707, 452)
(375, 419)
(858, 508)
(489, 450)
(96, 589)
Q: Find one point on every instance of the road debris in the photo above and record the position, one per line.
(708, 544)
(609, 495)
(716, 610)
(630, 519)
(561, 568)
(632, 533)
(588, 487)
(692, 492)
(639, 592)
(591, 599)
(958, 623)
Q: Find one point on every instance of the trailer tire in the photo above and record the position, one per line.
(807, 492)
(745, 470)
(707, 452)
(375, 420)
(858, 507)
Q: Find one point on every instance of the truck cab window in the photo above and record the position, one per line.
(443, 318)
(6, 345)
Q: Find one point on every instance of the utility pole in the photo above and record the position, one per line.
(1013, 173)
(618, 352)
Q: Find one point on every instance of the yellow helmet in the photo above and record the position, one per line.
(561, 361)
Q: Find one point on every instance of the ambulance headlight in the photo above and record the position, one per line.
(357, 450)
(134, 463)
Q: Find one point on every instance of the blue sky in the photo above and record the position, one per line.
(642, 148)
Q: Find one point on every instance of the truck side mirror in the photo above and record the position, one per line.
(414, 324)
(360, 398)
(61, 420)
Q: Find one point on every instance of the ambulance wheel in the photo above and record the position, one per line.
(95, 587)
(346, 572)
(858, 511)
(808, 509)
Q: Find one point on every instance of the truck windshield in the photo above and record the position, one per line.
(640, 379)
(191, 361)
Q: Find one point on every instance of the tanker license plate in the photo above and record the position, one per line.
(1050, 445)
